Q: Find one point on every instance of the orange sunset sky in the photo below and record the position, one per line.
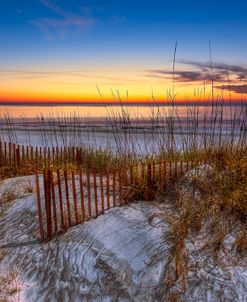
(104, 86)
(93, 51)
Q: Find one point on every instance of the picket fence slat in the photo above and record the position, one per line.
(60, 200)
(82, 198)
(89, 196)
(67, 197)
(41, 229)
(102, 193)
(95, 195)
(74, 196)
(54, 203)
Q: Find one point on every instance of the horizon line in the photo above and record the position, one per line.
(121, 103)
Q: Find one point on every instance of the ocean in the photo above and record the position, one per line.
(139, 129)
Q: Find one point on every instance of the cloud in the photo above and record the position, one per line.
(58, 76)
(185, 76)
(235, 88)
(53, 7)
(239, 71)
(226, 76)
(61, 28)
(45, 73)
(65, 22)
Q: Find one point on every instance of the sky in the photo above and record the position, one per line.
(88, 51)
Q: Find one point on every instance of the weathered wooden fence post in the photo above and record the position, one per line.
(89, 196)
(5, 151)
(10, 157)
(56, 155)
(82, 197)
(41, 229)
(160, 170)
(27, 153)
(120, 188)
(102, 193)
(165, 171)
(154, 169)
(95, 195)
(143, 174)
(108, 189)
(74, 198)
(114, 189)
(67, 197)
(18, 157)
(78, 156)
(149, 188)
(60, 200)
(125, 184)
(1, 153)
(176, 169)
(44, 154)
(170, 169)
(47, 189)
(32, 157)
(53, 155)
(54, 203)
(40, 153)
(36, 156)
(181, 168)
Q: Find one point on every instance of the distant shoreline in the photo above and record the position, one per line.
(117, 104)
(135, 130)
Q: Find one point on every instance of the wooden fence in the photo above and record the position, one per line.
(67, 198)
(16, 156)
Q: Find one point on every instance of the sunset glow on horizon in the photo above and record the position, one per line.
(106, 86)
(93, 52)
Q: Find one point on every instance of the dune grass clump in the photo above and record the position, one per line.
(167, 134)
(9, 286)
(208, 206)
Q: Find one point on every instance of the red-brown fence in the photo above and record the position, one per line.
(67, 198)
(17, 156)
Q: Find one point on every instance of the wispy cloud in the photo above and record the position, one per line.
(58, 76)
(55, 8)
(63, 24)
(239, 71)
(37, 74)
(187, 76)
(232, 77)
(235, 88)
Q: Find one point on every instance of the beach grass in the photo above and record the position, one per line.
(209, 203)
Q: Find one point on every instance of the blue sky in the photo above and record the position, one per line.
(80, 35)
(126, 29)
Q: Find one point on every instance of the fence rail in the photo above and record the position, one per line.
(69, 197)
(17, 156)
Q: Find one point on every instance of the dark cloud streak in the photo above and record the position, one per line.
(229, 76)
(241, 89)
(239, 71)
(188, 76)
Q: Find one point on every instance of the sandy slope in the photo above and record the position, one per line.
(120, 256)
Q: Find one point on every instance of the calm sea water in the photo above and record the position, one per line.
(95, 127)
(100, 113)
